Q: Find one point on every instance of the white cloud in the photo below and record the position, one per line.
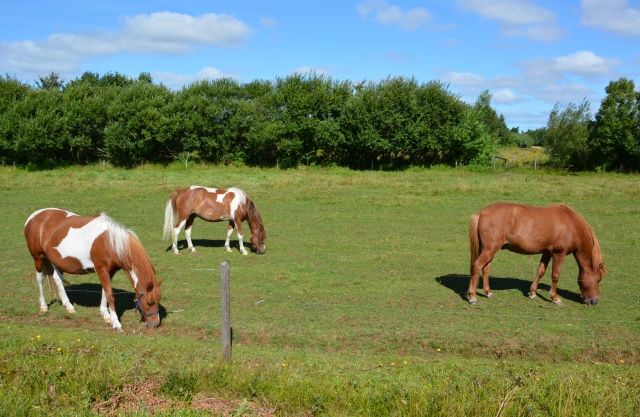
(517, 18)
(581, 63)
(616, 16)
(391, 15)
(157, 33)
(506, 95)
(177, 81)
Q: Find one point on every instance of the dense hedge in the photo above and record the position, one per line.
(292, 121)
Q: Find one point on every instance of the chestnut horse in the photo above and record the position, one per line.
(555, 232)
(213, 205)
(61, 241)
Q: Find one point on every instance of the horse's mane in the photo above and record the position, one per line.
(254, 216)
(128, 247)
(596, 255)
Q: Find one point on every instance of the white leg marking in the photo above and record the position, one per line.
(176, 232)
(43, 302)
(241, 243)
(187, 232)
(227, 246)
(57, 277)
(104, 311)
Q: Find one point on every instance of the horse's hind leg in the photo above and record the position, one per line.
(176, 233)
(481, 263)
(485, 280)
(227, 244)
(544, 262)
(58, 280)
(43, 302)
(187, 232)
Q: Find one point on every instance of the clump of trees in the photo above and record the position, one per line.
(292, 121)
(302, 119)
(575, 140)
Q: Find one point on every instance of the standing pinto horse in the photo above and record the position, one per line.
(61, 241)
(213, 205)
(555, 232)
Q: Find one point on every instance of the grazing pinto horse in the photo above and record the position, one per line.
(61, 241)
(213, 205)
(555, 232)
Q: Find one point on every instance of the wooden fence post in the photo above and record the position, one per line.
(225, 306)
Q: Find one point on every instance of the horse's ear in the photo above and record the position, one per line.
(160, 281)
(150, 285)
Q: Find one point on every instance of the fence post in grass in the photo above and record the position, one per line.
(225, 306)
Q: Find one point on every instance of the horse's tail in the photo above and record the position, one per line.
(170, 215)
(474, 240)
(47, 270)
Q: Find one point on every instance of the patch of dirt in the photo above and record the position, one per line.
(141, 397)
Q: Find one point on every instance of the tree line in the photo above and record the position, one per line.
(292, 121)
(301, 119)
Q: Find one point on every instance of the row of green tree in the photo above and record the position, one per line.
(609, 142)
(292, 121)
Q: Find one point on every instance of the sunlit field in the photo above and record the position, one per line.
(358, 306)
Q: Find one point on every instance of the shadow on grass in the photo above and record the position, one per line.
(89, 295)
(205, 243)
(459, 284)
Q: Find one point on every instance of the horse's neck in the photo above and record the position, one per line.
(139, 264)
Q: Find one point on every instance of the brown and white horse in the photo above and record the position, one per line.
(213, 205)
(555, 232)
(61, 241)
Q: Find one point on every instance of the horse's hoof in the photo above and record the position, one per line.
(490, 296)
(107, 319)
(192, 251)
(71, 310)
(533, 296)
(245, 253)
(228, 250)
(44, 309)
(558, 302)
(473, 302)
(118, 329)
(176, 252)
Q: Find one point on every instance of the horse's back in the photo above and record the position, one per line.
(528, 229)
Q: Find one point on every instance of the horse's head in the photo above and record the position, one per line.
(589, 284)
(148, 303)
(257, 241)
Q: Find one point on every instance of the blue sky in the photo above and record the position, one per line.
(529, 54)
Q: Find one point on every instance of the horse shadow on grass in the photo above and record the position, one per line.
(459, 284)
(203, 243)
(89, 295)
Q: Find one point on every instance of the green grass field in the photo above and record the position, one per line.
(357, 308)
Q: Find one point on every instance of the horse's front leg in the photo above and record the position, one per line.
(227, 244)
(105, 279)
(558, 258)
(104, 311)
(544, 262)
(240, 238)
(58, 280)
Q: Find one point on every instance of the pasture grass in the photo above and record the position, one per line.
(357, 308)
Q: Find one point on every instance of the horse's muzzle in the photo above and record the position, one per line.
(591, 301)
(153, 325)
